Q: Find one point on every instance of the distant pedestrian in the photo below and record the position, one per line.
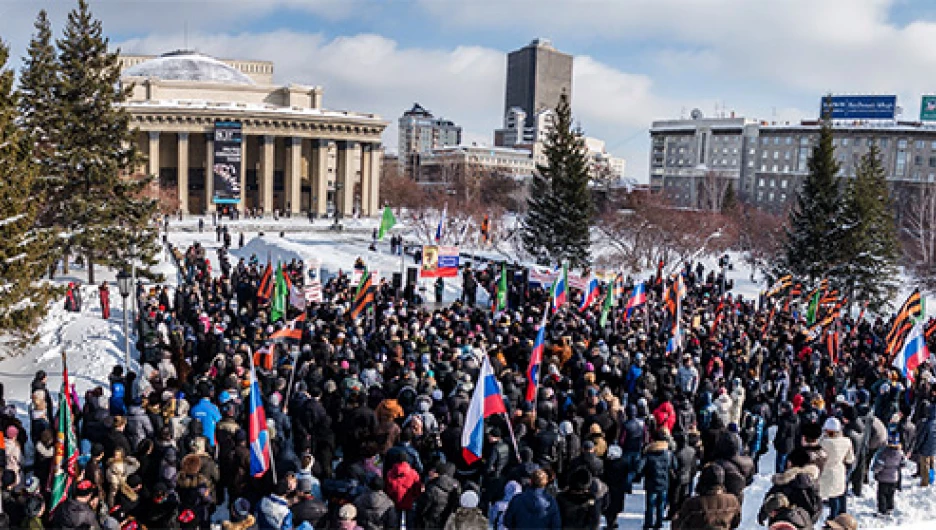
(104, 294)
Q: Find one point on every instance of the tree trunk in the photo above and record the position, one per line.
(65, 262)
(90, 268)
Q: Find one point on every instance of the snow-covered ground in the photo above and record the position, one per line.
(95, 345)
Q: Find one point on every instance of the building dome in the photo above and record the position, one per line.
(189, 66)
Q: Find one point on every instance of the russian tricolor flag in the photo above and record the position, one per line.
(536, 359)
(637, 298)
(440, 230)
(913, 354)
(560, 290)
(591, 294)
(257, 433)
(485, 402)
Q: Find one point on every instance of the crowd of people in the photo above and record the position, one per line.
(366, 415)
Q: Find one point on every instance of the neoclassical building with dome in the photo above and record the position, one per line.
(219, 134)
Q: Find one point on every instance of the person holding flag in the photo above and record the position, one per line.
(485, 402)
(536, 360)
(65, 459)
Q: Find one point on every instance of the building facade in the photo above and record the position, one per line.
(768, 161)
(421, 132)
(537, 75)
(219, 134)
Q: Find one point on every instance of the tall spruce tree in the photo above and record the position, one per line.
(557, 224)
(869, 247)
(811, 250)
(40, 120)
(23, 249)
(107, 215)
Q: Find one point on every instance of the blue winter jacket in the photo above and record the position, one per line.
(533, 509)
(209, 415)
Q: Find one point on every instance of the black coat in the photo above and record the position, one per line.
(437, 503)
(801, 487)
(787, 433)
(579, 509)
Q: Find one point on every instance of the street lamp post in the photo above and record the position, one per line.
(124, 284)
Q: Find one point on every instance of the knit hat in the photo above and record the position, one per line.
(469, 499)
(241, 507)
(832, 425)
(11, 432)
(304, 485)
(782, 525)
(614, 452)
(347, 513)
(85, 488)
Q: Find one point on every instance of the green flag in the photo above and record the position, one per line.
(606, 307)
(280, 293)
(813, 308)
(65, 458)
(500, 300)
(386, 222)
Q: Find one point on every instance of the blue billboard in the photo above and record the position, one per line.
(859, 107)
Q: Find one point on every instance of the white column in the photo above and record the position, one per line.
(267, 162)
(365, 180)
(152, 167)
(320, 176)
(183, 168)
(376, 160)
(209, 172)
(345, 178)
(293, 176)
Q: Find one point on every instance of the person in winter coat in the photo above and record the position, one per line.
(578, 507)
(375, 509)
(139, 425)
(14, 453)
(161, 509)
(739, 469)
(273, 511)
(104, 295)
(209, 415)
(241, 518)
(79, 513)
(499, 508)
(723, 406)
(307, 507)
(832, 484)
(657, 466)
(468, 516)
(811, 432)
(686, 464)
(800, 484)
(534, 509)
(193, 488)
(665, 413)
(777, 508)
(118, 469)
(439, 499)
(737, 403)
(712, 508)
(925, 449)
(887, 464)
(403, 487)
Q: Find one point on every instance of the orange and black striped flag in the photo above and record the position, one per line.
(910, 312)
(265, 290)
(364, 296)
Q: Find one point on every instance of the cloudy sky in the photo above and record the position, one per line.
(635, 60)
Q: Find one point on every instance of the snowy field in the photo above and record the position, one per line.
(95, 345)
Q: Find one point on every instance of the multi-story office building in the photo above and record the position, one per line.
(421, 132)
(767, 161)
(537, 75)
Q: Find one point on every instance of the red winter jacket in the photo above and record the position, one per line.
(665, 416)
(403, 485)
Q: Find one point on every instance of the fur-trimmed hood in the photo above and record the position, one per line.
(788, 476)
(657, 446)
